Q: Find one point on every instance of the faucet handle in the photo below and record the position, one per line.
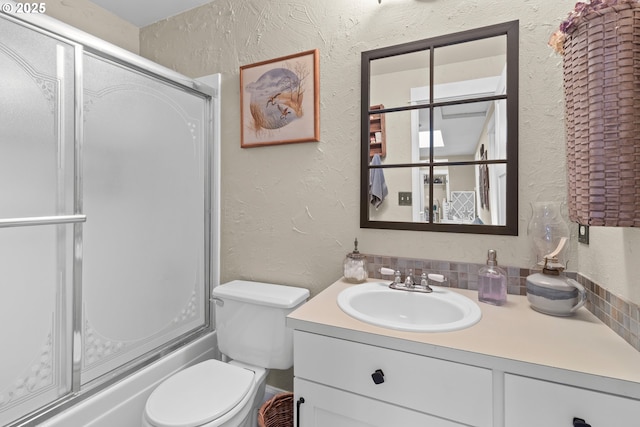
(387, 271)
(436, 277)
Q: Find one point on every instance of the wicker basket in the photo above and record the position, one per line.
(602, 95)
(277, 411)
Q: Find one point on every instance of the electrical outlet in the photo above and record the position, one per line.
(404, 198)
(583, 234)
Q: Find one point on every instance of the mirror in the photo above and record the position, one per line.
(440, 133)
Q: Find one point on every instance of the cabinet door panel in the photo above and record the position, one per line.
(325, 406)
(533, 403)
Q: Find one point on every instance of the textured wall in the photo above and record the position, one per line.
(290, 212)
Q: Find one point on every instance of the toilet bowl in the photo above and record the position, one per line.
(250, 319)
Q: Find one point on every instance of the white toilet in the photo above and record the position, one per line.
(250, 324)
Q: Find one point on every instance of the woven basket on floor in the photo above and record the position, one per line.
(602, 95)
(277, 411)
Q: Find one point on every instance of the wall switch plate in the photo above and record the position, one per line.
(404, 198)
(583, 234)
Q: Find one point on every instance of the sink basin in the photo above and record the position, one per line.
(439, 311)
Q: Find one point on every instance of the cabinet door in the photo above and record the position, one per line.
(533, 403)
(325, 406)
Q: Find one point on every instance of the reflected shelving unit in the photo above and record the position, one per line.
(377, 133)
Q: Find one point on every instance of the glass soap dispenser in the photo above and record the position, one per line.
(355, 266)
(492, 281)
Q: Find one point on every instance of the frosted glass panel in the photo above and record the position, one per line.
(36, 124)
(35, 292)
(144, 240)
(36, 179)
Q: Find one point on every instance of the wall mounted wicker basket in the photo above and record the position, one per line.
(602, 101)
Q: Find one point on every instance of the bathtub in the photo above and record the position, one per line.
(122, 403)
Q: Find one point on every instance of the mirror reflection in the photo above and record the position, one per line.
(440, 133)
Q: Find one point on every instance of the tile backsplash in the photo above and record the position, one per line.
(622, 316)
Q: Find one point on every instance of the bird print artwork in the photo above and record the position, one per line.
(279, 101)
(279, 87)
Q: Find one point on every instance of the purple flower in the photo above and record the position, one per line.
(580, 10)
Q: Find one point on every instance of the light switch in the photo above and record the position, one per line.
(404, 198)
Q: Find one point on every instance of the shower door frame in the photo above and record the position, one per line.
(83, 42)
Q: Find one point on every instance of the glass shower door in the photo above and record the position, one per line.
(36, 204)
(105, 217)
(144, 166)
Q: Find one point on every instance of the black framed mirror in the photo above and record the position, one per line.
(439, 133)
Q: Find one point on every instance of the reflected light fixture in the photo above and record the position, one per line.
(423, 139)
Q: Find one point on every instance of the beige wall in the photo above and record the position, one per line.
(291, 212)
(96, 21)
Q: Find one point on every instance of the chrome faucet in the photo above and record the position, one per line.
(408, 281)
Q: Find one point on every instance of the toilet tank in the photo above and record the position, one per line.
(250, 322)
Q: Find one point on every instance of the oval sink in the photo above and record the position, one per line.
(439, 311)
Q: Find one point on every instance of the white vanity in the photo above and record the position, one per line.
(514, 368)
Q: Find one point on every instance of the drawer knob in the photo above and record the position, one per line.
(378, 376)
(578, 422)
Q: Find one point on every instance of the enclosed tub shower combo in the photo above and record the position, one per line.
(108, 216)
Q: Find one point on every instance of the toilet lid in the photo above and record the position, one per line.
(198, 394)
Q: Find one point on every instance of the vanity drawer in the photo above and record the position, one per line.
(328, 407)
(454, 391)
(532, 403)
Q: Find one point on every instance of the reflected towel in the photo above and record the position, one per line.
(377, 187)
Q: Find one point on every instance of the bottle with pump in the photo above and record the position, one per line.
(355, 266)
(492, 281)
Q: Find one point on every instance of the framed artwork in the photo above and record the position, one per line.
(280, 101)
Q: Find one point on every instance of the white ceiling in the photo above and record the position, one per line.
(144, 12)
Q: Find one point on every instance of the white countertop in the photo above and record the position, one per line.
(578, 350)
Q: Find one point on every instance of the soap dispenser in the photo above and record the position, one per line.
(355, 266)
(492, 281)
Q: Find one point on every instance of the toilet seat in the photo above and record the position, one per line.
(199, 394)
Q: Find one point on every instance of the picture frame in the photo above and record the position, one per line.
(280, 101)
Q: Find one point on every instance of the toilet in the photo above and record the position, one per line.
(250, 325)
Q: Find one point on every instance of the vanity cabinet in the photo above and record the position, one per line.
(531, 402)
(335, 378)
(523, 376)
